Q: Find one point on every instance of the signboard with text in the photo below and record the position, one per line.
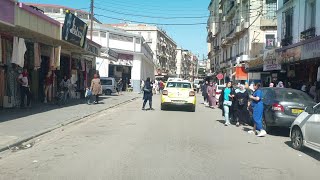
(270, 62)
(74, 30)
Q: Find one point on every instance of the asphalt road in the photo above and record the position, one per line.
(127, 143)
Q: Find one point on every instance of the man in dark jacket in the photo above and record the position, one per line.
(147, 94)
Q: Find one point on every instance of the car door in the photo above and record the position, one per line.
(312, 129)
(268, 99)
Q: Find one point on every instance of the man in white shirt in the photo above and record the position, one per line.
(25, 91)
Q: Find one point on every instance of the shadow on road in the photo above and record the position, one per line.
(15, 113)
(277, 131)
(306, 151)
(175, 109)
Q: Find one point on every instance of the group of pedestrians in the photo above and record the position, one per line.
(242, 103)
(209, 94)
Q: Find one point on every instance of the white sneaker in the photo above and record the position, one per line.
(251, 132)
(262, 133)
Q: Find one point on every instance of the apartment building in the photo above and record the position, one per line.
(239, 31)
(298, 30)
(162, 45)
(186, 64)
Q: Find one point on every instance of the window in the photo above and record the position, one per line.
(106, 82)
(179, 85)
(95, 33)
(103, 34)
(287, 23)
(138, 40)
(270, 41)
(121, 38)
(271, 10)
(310, 17)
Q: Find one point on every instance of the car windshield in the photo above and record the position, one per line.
(292, 95)
(178, 85)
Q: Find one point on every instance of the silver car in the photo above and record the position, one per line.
(305, 130)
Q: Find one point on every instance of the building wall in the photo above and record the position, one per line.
(179, 61)
(301, 18)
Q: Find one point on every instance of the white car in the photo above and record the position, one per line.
(305, 130)
(218, 91)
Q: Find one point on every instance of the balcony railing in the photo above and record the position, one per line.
(307, 34)
(286, 41)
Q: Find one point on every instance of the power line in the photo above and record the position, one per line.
(168, 24)
(157, 17)
(147, 6)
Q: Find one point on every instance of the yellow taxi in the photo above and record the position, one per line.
(178, 93)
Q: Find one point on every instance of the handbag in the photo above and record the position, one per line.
(227, 103)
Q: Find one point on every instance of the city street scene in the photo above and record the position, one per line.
(143, 90)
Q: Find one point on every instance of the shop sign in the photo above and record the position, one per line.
(311, 50)
(7, 11)
(241, 73)
(289, 55)
(74, 30)
(91, 48)
(126, 56)
(113, 54)
(257, 63)
(270, 62)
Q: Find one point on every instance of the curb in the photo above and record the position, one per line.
(64, 124)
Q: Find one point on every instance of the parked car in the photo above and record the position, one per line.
(282, 106)
(219, 88)
(305, 131)
(109, 85)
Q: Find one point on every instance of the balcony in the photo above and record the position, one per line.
(308, 34)
(286, 41)
(268, 22)
(231, 33)
(232, 4)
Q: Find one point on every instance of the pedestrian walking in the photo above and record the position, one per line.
(227, 103)
(96, 88)
(204, 92)
(65, 85)
(242, 103)
(257, 106)
(280, 84)
(23, 79)
(147, 94)
(211, 91)
(120, 86)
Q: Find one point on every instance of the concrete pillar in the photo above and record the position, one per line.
(136, 74)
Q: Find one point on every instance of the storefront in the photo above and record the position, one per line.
(30, 43)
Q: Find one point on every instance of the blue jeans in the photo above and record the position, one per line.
(226, 113)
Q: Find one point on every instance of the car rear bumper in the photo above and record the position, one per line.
(281, 120)
(165, 100)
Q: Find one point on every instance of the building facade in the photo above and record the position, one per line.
(239, 31)
(298, 27)
(162, 45)
(187, 64)
(124, 55)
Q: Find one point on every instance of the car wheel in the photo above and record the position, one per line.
(265, 126)
(162, 107)
(193, 108)
(297, 138)
(108, 92)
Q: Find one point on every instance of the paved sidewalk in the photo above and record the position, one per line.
(19, 125)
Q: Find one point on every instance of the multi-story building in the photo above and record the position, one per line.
(298, 27)
(239, 31)
(162, 45)
(186, 64)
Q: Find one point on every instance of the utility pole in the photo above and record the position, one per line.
(91, 19)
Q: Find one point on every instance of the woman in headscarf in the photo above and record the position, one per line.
(96, 88)
(280, 84)
(147, 94)
(257, 106)
(242, 102)
(211, 91)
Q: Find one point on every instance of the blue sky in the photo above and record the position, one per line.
(153, 11)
